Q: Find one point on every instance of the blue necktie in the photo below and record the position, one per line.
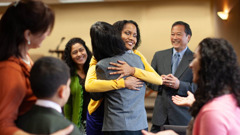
(175, 62)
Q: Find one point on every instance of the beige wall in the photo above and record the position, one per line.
(229, 29)
(154, 18)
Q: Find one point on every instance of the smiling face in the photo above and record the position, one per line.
(79, 54)
(195, 65)
(179, 38)
(129, 35)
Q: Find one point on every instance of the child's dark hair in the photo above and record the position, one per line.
(46, 75)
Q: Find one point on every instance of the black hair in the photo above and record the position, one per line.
(33, 15)
(188, 30)
(219, 70)
(119, 25)
(106, 41)
(47, 75)
(68, 58)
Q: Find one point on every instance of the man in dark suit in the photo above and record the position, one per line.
(50, 80)
(172, 65)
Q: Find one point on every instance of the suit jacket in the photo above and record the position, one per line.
(123, 108)
(164, 107)
(42, 120)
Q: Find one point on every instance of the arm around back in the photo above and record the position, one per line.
(149, 74)
(92, 84)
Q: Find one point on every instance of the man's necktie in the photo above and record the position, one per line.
(175, 62)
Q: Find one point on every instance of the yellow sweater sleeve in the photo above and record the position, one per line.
(93, 105)
(149, 74)
(94, 85)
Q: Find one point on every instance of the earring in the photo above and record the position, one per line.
(29, 42)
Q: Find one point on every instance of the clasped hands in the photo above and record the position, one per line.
(173, 82)
(124, 69)
(170, 81)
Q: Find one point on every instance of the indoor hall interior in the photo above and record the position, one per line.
(154, 17)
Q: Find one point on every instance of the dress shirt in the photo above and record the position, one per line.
(181, 54)
(49, 104)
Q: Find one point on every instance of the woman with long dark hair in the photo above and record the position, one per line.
(216, 72)
(77, 56)
(216, 107)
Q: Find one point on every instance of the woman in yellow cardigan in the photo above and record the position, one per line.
(131, 36)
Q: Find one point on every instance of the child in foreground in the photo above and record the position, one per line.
(50, 80)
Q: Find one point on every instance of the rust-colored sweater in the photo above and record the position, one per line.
(16, 96)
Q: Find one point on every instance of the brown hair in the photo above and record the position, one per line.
(33, 15)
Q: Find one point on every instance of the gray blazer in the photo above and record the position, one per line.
(123, 108)
(164, 107)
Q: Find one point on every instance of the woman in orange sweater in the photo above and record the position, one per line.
(24, 25)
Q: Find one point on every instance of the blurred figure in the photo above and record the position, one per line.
(217, 74)
(50, 81)
(24, 25)
(77, 56)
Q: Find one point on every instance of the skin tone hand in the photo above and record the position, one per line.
(170, 81)
(20, 132)
(122, 68)
(133, 83)
(184, 101)
(163, 76)
(65, 131)
(165, 132)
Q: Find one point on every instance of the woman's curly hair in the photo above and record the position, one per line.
(218, 70)
(68, 58)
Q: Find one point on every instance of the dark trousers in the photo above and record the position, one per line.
(156, 128)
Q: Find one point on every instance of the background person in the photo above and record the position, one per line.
(77, 56)
(172, 65)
